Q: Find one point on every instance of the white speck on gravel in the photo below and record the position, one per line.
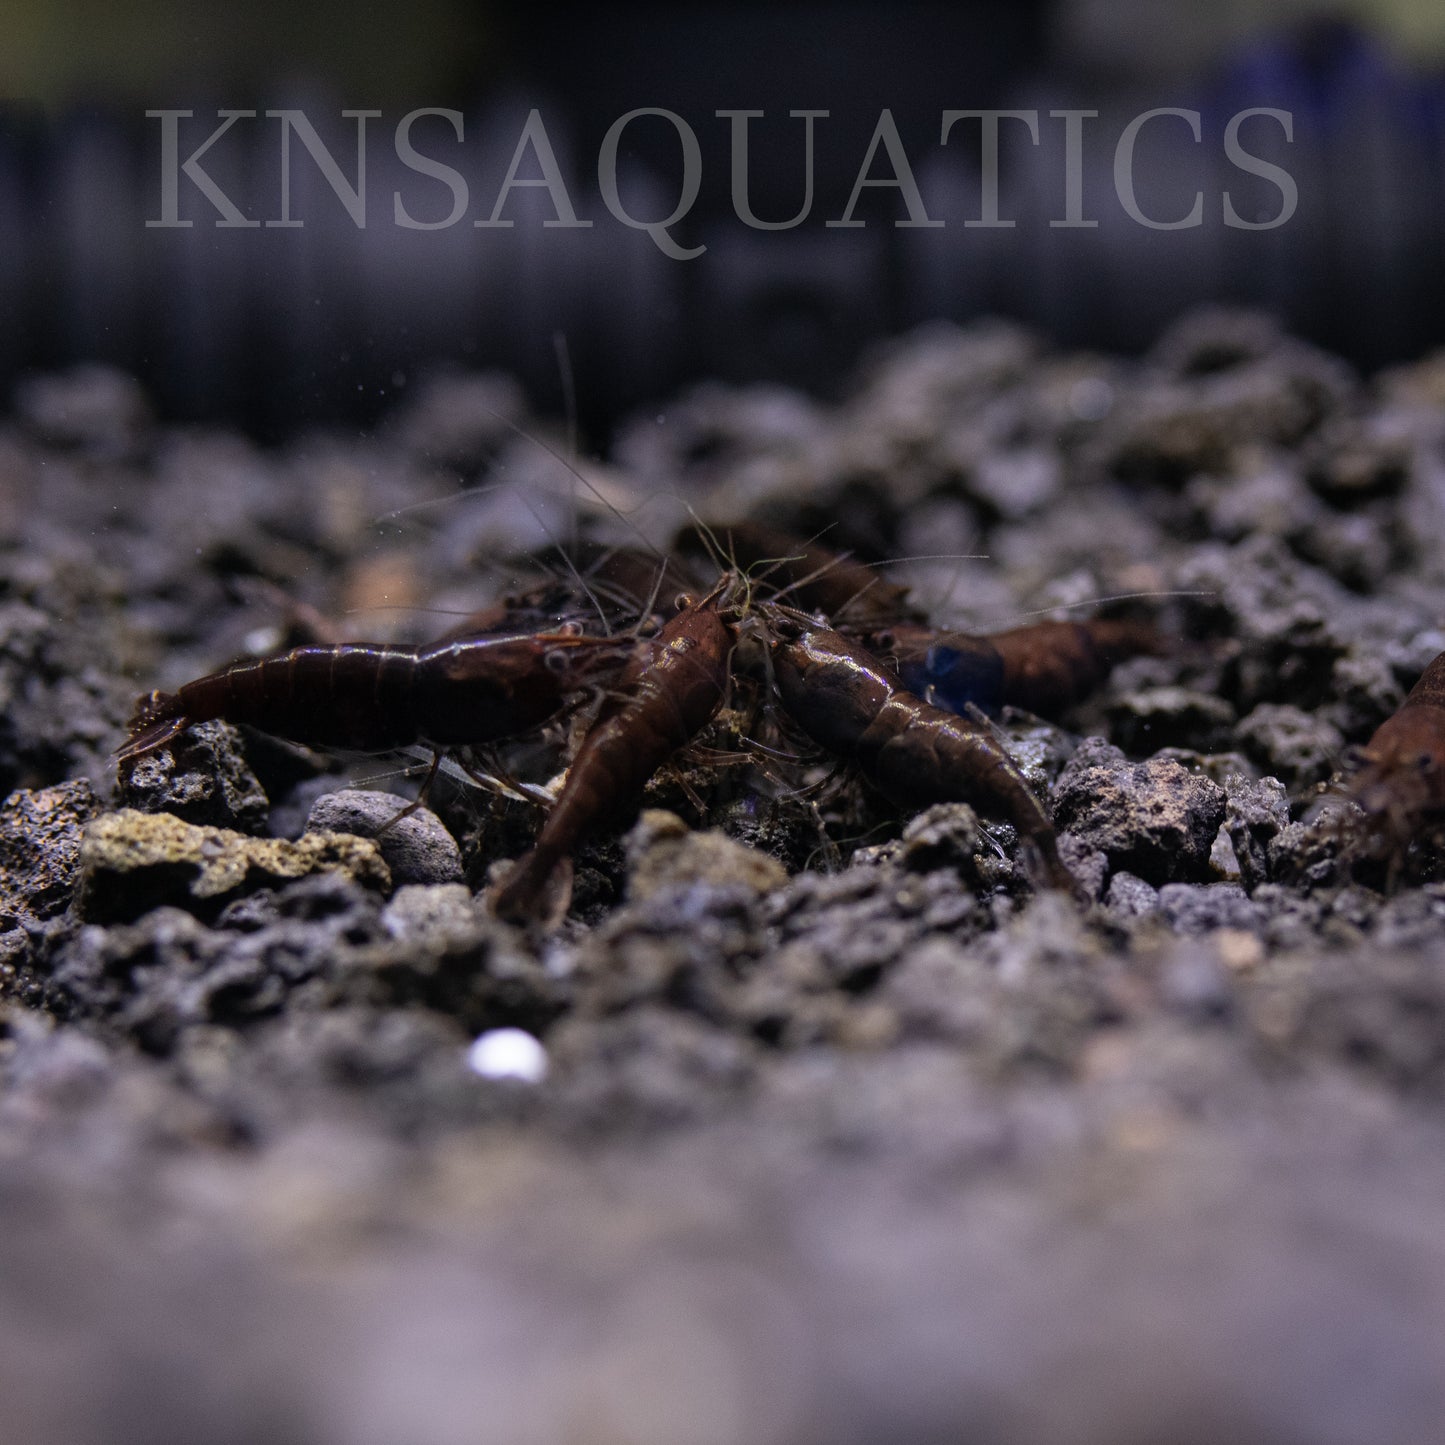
(508, 1054)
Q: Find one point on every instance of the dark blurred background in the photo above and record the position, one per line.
(271, 326)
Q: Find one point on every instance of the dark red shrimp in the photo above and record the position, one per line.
(375, 698)
(817, 578)
(1044, 668)
(851, 704)
(668, 693)
(1402, 781)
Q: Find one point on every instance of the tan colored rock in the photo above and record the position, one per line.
(132, 861)
(40, 834)
(662, 851)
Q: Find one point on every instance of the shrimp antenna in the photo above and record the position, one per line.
(931, 557)
(444, 501)
(1113, 597)
(568, 379)
(410, 608)
(568, 562)
(717, 554)
(822, 569)
(724, 559)
(569, 387)
(607, 504)
(957, 575)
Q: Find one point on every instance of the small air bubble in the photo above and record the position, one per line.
(262, 640)
(508, 1054)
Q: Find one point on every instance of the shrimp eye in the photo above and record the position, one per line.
(1425, 761)
(570, 629)
(556, 660)
(884, 641)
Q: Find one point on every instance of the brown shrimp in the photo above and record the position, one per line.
(668, 693)
(1044, 668)
(1402, 782)
(851, 704)
(375, 698)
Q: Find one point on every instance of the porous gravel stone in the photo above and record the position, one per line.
(1257, 811)
(93, 408)
(1170, 717)
(40, 837)
(1295, 746)
(131, 861)
(662, 852)
(418, 849)
(426, 910)
(1194, 908)
(201, 776)
(1154, 819)
(1130, 896)
(945, 835)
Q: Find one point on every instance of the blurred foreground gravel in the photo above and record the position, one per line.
(833, 1141)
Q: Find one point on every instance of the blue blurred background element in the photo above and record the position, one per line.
(270, 326)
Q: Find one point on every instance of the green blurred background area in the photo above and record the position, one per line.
(380, 52)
